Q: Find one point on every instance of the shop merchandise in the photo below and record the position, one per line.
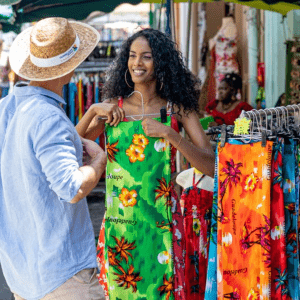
(197, 218)
(254, 243)
(141, 243)
(225, 42)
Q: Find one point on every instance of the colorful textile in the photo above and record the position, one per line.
(197, 212)
(279, 288)
(226, 55)
(243, 248)
(211, 278)
(291, 217)
(142, 248)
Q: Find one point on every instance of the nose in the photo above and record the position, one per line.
(137, 61)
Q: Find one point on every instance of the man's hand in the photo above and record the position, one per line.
(91, 150)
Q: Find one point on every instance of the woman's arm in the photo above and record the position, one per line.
(198, 152)
(90, 127)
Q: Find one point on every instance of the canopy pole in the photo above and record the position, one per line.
(160, 10)
(173, 21)
(188, 32)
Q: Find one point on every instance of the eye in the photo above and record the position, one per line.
(131, 55)
(147, 57)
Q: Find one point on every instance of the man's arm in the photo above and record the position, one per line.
(54, 146)
(92, 171)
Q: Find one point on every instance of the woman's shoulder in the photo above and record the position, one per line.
(211, 105)
(245, 106)
(112, 100)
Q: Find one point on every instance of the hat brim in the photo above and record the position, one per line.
(19, 56)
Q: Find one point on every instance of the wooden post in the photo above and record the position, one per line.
(189, 17)
(195, 36)
(177, 24)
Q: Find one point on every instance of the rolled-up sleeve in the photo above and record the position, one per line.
(54, 146)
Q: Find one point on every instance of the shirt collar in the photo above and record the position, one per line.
(22, 89)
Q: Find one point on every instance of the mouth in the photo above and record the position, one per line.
(138, 72)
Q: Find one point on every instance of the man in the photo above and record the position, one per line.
(47, 245)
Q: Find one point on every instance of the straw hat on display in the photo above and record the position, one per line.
(52, 48)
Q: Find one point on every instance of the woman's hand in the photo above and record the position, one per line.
(154, 128)
(113, 112)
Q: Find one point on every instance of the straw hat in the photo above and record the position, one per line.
(52, 48)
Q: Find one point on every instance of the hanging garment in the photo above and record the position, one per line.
(291, 216)
(211, 277)
(243, 248)
(80, 100)
(279, 289)
(197, 216)
(90, 95)
(226, 57)
(140, 247)
(71, 101)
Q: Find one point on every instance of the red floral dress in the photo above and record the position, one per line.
(197, 216)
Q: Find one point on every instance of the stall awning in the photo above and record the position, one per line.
(282, 7)
(35, 10)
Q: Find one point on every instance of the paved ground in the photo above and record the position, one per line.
(97, 209)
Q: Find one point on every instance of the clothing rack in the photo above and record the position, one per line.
(268, 122)
(273, 111)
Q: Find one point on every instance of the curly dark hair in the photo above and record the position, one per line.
(175, 82)
(234, 81)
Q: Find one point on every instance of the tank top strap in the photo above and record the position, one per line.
(120, 102)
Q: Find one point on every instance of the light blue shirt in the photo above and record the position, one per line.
(44, 239)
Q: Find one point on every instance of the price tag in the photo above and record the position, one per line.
(241, 126)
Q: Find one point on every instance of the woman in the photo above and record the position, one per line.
(229, 106)
(281, 100)
(141, 241)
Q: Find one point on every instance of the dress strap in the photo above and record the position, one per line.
(120, 104)
(199, 180)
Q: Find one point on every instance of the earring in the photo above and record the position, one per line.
(162, 84)
(126, 79)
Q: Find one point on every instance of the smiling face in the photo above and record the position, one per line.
(140, 62)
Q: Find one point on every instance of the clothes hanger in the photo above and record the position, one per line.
(185, 179)
(253, 136)
(163, 112)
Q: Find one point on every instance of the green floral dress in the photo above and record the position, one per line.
(136, 242)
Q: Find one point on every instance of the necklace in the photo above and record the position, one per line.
(148, 99)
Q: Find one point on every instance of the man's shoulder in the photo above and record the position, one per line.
(40, 107)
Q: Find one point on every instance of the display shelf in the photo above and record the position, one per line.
(101, 64)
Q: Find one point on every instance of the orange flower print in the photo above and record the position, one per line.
(251, 182)
(111, 151)
(128, 279)
(113, 261)
(123, 247)
(163, 190)
(167, 288)
(135, 152)
(128, 198)
(140, 139)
